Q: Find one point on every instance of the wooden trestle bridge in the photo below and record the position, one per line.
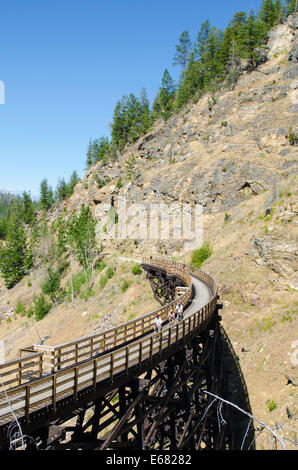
(130, 387)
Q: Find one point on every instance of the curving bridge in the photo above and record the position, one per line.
(130, 387)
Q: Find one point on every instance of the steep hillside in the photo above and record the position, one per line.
(234, 153)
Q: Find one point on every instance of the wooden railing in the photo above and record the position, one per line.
(47, 390)
(20, 370)
(64, 355)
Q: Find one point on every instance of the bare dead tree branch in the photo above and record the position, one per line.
(246, 432)
(276, 436)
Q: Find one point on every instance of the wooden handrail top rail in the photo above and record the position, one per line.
(20, 360)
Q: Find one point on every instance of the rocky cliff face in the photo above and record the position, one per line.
(219, 152)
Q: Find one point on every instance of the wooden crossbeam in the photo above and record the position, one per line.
(121, 422)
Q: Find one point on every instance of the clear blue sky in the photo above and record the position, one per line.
(65, 63)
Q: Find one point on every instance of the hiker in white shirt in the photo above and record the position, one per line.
(158, 323)
(180, 311)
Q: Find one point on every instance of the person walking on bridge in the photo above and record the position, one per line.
(158, 323)
(179, 311)
(171, 316)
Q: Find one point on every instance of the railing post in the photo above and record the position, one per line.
(52, 361)
(91, 347)
(76, 353)
(142, 325)
(94, 372)
(40, 364)
(112, 366)
(19, 374)
(54, 392)
(75, 388)
(134, 330)
(151, 348)
(27, 403)
(126, 358)
(59, 359)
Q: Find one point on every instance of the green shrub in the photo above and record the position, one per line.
(136, 269)
(125, 285)
(131, 316)
(266, 324)
(78, 280)
(30, 311)
(101, 182)
(102, 282)
(110, 272)
(20, 308)
(200, 255)
(86, 293)
(100, 265)
(293, 138)
(286, 317)
(51, 284)
(272, 405)
(40, 307)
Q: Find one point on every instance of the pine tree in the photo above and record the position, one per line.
(74, 179)
(278, 9)
(192, 83)
(51, 283)
(183, 50)
(61, 229)
(13, 252)
(28, 209)
(29, 256)
(3, 227)
(207, 53)
(211, 59)
(89, 156)
(145, 112)
(269, 13)
(201, 41)
(46, 195)
(231, 49)
(254, 36)
(131, 119)
(164, 102)
(291, 6)
(119, 130)
(98, 149)
(61, 192)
